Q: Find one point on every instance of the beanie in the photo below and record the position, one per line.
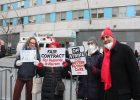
(107, 31)
(93, 39)
(55, 44)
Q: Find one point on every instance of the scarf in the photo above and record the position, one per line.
(105, 70)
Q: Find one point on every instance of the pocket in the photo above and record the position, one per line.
(60, 88)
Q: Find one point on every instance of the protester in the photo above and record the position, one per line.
(52, 75)
(26, 71)
(90, 85)
(119, 71)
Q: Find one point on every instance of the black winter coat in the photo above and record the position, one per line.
(90, 85)
(52, 76)
(125, 75)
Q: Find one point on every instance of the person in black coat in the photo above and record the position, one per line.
(90, 85)
(26, 71)
(52, 75)
(120, 72)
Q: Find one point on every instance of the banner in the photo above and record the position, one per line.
(28, 55)
(77, 57)
(52, 57)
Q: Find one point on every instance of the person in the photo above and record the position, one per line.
(136, 54)
(119, 71)
(90, 84)
(26, 71)
(2, 49)
(51, 77)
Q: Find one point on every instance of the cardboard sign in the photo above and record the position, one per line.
(77, 57)
(28, 55)
(52, 57)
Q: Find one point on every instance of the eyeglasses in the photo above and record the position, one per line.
(32, 43)
(90, 43)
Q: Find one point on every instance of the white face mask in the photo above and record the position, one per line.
(108, 45)
(91, 49)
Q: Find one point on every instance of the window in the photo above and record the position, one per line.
(58, 16)
(78, 14)
(75, 15)
(94, 13)
(47, 17)
(1, 8)
(32, 19)
(137, 10)
(63, 15)
(43, 18)
(19, 20)
(21, 4)
(0, 22)
(122, 11)
(48, 1)
(100, 13)
(115, 12)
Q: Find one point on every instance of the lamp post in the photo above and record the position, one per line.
(89, 12)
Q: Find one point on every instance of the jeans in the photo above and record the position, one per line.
(18, 89)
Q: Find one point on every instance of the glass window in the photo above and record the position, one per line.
(21, 4)
(58, 16)
(122, 11)
(100, 13)
(81, 14)
(0, 22)
(63, 15)
(75, 15)
(94, 13)
(32, 19)
(43, 18)
(19, 20)
(138, 10)
(115, 12)
(1, 8)
(47, 17)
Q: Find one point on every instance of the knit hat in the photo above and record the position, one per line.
(55, 44)
(93, 39)
(107, 31)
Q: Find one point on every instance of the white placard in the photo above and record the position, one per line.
(28, 55)
(52, 57)
(77, 57)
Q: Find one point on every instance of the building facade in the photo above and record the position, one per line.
(72, 20)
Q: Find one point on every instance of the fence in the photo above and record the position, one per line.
(7, 82)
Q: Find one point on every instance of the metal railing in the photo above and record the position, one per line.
(6, 82)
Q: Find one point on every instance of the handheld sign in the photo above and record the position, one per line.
(77, 57)
(28, 55)
(52, 57)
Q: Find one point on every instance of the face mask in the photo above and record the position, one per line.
(91, 49)
(108, 45)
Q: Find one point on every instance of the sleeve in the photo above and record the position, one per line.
(133, 72)
(17, 58)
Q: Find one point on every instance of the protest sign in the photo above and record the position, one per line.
(52, 57)
(77, 57)
(28, 55)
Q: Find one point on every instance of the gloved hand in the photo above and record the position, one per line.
(40, 66)
(65, 64)
(36, 62)
(19, 62)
